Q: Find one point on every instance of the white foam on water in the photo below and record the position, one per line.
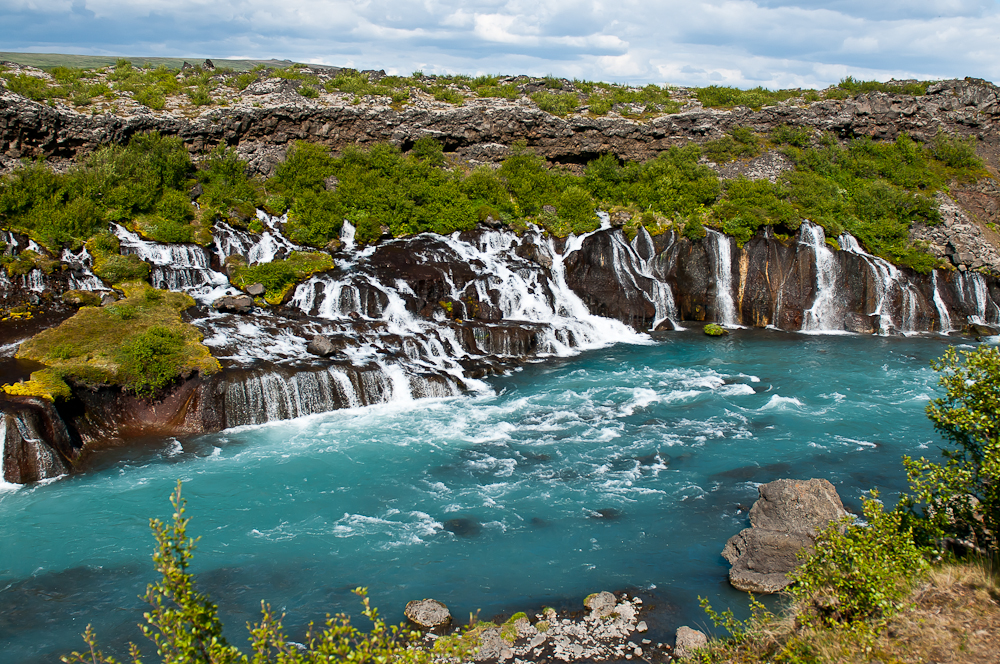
(777, 402)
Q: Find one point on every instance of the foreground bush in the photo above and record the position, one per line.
(184, 624)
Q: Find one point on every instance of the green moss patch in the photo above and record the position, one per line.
(714, 330)
(280, 276)
(139, 343)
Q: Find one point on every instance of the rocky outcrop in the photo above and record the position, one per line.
(35, 443)
(687, 641)
(30, 129)
(785, 519)
(959, 239)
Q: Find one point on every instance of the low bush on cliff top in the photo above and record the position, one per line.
(139, 343)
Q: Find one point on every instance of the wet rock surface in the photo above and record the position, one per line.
(785, 519)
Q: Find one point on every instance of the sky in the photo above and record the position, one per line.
(773, 43)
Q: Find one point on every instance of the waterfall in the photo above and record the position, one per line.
(944, 319)
(887, 277)
(974, 291)
(81, 276)
(261, 248)
(178, 267)
(824, 314)
(265, 396)
(723, 265)
(34, 280)
(638, 257)
(4, 484)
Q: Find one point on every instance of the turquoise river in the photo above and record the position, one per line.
(621, 468)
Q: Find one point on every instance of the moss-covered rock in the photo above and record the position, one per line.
(139, 343)
(714, 330)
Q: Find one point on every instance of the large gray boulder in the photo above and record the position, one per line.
(687, 641)
(784, 520)
(428, 613)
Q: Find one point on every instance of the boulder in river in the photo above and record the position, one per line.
(785, 519)
(427, 613)
(236, 304)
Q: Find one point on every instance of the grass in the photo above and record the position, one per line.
(951, 615)
(280, 276)
(139, 343)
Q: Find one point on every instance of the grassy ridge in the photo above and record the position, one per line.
(49, 61)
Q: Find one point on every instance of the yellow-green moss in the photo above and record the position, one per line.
(280, 276)
(46, 384)
(92, 346)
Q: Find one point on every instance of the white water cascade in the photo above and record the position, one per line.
(887, 278)
(638, 257)
(974, 293)
(178, 267)
(722, 262)
(81, 276)
(261, 248)
(824, 315)
(944, 318)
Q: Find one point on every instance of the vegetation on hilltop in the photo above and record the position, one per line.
(157, 84)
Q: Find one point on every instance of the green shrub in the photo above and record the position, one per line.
(749, 204)
(309, 92)
(556, 103)
(956, 152)
(959, 500)
(32, 87)
(755, 98)
(244, 80)
(429, 151)
(447, 94)
(200, 96)
(800, 137)
(741, 143)
(151, 360)
(855, 87)
(858, 573)
(498, 91)
(115, 269)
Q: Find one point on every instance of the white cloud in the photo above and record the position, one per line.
(775, 43)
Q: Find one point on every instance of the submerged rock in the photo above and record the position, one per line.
(785, 519)
(428, 613)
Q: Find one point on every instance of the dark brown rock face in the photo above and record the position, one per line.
(35, 444)
(784, 520)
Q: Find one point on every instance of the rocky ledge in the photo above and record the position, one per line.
(785, 519)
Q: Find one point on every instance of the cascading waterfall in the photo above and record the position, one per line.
(4, 484)
(179, 267)
(723, 265)
(34, 281)
(824, 315)
(944, 318)
(637, 258)
(261, 248)
(887, 277)
(974, 292)
(81, 276)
